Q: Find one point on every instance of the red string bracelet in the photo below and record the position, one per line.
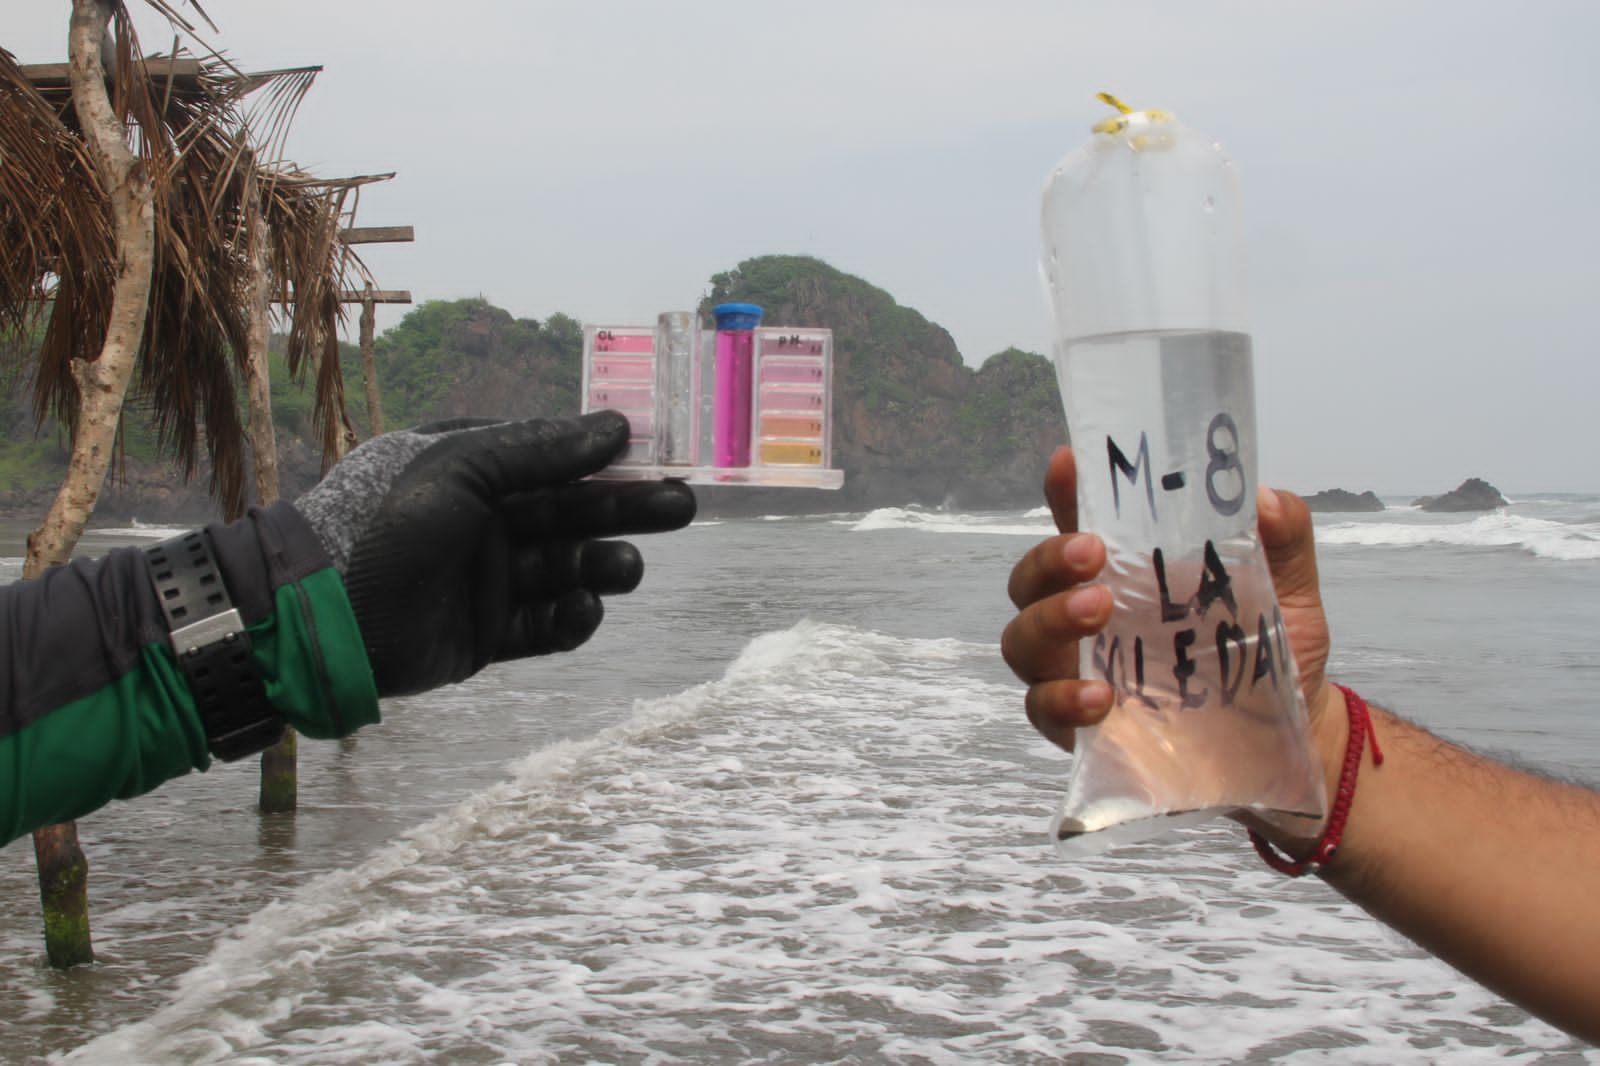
(1333, 832)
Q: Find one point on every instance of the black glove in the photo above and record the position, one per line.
(468, 542)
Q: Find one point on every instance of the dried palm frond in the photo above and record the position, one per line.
(205, 163)
(303, 216)
(55, 221)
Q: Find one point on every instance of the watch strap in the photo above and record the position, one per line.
(212, 647)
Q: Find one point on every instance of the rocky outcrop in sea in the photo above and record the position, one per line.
(1336, 500)
(1473, 494)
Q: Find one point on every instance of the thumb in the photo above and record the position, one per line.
(512, 457)
(1290, 542)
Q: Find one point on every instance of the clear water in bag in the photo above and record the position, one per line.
(1162, 425)
(1143, 262)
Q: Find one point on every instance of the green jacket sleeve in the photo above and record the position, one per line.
(93, 706)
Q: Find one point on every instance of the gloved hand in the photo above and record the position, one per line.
(468, 542)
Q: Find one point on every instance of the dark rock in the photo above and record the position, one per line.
(1473, 494)
(1336, 500)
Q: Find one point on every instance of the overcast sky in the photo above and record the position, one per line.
(1420, 179)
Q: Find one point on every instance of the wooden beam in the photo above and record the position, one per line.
(377, 296)
(55, 75)
(184, 73)
(378, 235)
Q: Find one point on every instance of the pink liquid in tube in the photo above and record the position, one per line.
(735, 355)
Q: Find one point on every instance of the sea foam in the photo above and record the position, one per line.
(1546, 539)
(835, 851)
(953, 522)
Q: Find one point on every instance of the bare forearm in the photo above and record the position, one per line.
(1494, 870)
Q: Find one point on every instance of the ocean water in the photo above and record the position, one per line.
(785, 807)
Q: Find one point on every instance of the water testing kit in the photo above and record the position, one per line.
(746, 404)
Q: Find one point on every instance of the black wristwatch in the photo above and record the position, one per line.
(213, 648)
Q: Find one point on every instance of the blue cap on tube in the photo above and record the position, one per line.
(737, 316)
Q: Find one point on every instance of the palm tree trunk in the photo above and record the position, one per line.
(102, 384)
(263, 439)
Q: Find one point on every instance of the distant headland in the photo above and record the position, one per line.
(913, 422)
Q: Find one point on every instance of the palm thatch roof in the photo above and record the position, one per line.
(214, 161)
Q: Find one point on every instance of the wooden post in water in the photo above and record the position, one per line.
(369, 366)
(63, 894)
(280, 764)
(279, 789)
(280, 776)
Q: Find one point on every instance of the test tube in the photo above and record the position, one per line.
(734, 363)
(677, 393)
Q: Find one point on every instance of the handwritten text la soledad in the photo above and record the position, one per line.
(1171, 666)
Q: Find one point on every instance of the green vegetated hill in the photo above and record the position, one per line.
(913, 423)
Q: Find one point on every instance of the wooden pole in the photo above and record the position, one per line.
(368, 298)
(369, 366)
(279, 790)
